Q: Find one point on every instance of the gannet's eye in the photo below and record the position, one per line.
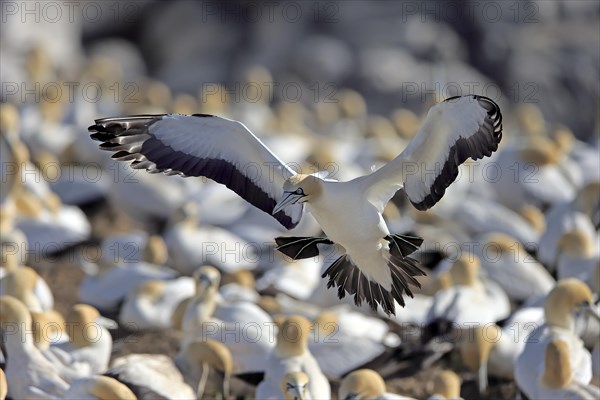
(289, 386)
(299, 191)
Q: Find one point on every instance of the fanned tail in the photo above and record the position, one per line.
(348, 278)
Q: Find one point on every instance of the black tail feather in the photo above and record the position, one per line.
(350, 279)
(298, 247)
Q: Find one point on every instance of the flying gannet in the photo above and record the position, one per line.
(375, 267)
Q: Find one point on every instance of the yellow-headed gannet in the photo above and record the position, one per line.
(375, 268)
(291, 354)
(365, 384)
(99, 387)
(554, 360)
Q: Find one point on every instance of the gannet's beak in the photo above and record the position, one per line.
(204, 282)
(298, 394)
(591, 311)
(288, 198)
(107, 323)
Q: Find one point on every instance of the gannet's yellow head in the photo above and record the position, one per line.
(569, 297)
(211, 352)
(292, 335)
(446, 384)
(104, 388)
(207, 279)
(361, 384)
(294, 386)
(300, 189)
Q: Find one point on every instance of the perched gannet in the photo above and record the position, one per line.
(577, 256)
(49, 328)
(294, 386)
(133, 247)
(291, 354)
(153, 302)
(89, 339)
(446, 386)
(26, 285)
(239, 286)
(469, 299)
(583, 154)
(505, 261)
(375, 268)
(569, 216)
(99, 388)
(554, 360)
(242, 326)
(485, 216)
(30, 374)
(113, 280)
(528, 172)
(336, 331)
(296, 279)
(13, 243)
(365, 384)
(489, 350)
(199, 358)
(191, 244)
(151, 376)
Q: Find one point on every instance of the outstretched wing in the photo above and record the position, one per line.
(201, 145)
(454, 130)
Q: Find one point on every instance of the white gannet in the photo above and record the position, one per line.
(197, 360)
(99, 388)
(577, 256)
(469, 300)
(90, 341)
(375, 268)
(191, 244)
(291, 354)
(528, 172)
(297, 279)
(554, 361)
(335, 334)
(239, 286)
(365, 384)
(569, 216)
(30, 374)
(113, 280)
(242, 326)
(152, 304)
(26, 285)
(446, 386)
(505, 261)
(488, 350)
(151, 376)
(49, 328)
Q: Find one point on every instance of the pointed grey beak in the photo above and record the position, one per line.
(107, 323)
(299, 394)
(288, 198)
(591, 311)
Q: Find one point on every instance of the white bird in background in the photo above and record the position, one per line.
(375, 268)
(291, 354)
(554, 362)
(365, 384)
